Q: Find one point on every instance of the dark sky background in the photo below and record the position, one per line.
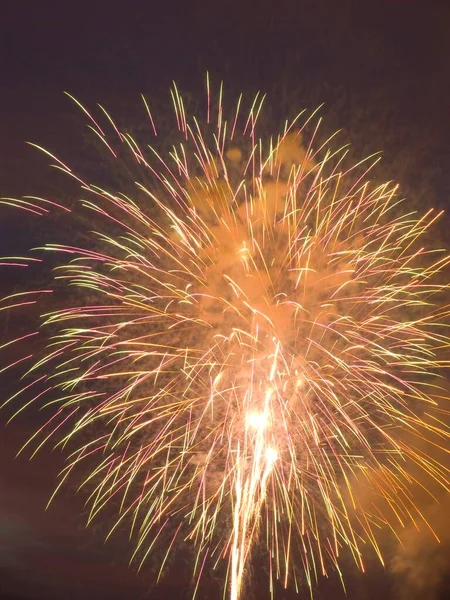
(383, 70)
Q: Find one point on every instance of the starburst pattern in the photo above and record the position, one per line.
(248, 341)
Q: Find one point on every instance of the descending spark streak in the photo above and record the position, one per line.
(249, 346)
(253, 467)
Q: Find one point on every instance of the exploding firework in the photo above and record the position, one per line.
(251, 338)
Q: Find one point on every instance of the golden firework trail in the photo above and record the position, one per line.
(252, 338)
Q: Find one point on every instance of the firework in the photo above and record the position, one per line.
(252, 337)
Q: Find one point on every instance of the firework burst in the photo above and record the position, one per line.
(248, 341)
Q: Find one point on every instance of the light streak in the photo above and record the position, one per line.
(251, 339)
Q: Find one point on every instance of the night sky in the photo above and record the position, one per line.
(383, 71)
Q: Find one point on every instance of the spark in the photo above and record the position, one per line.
(251, 339)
